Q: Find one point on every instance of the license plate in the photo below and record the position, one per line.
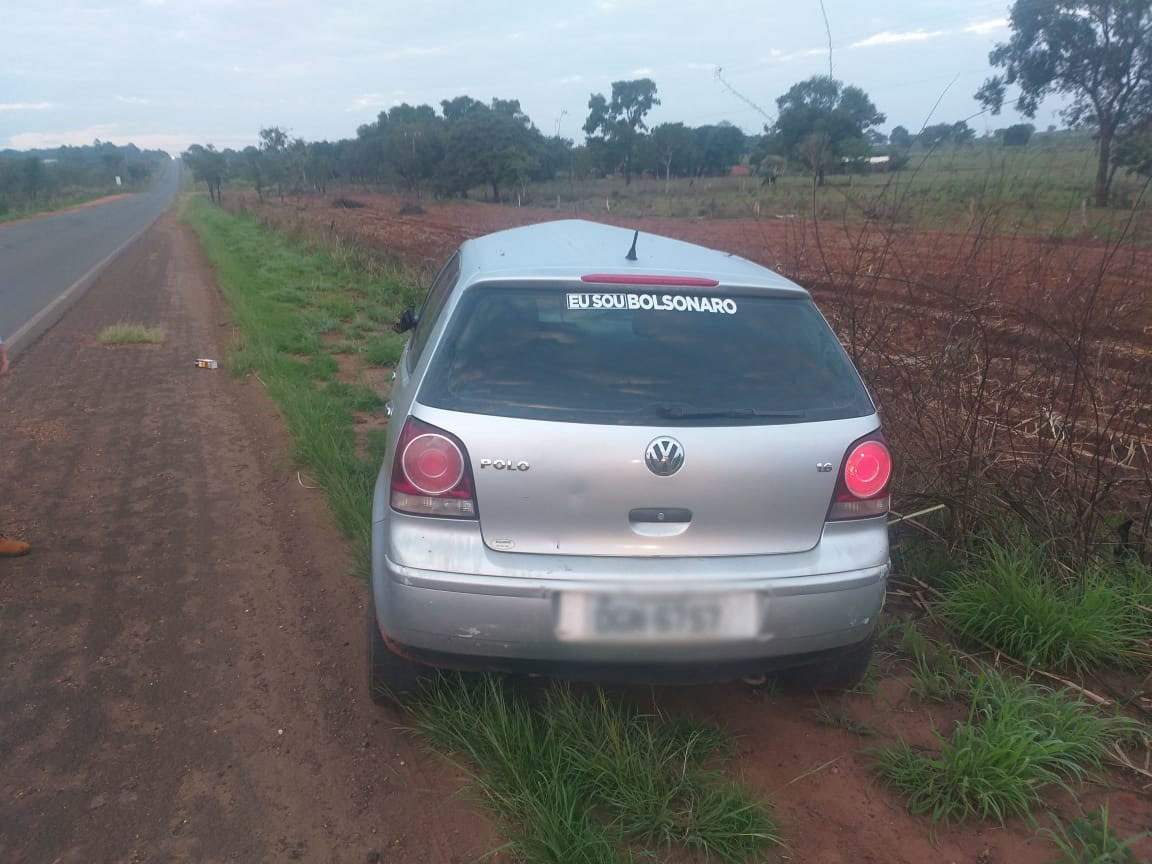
(657, 618)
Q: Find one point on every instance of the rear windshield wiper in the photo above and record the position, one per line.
(685, 412)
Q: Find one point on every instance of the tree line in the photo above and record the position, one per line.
(1096, 53)
(30, 177)
(470, 144)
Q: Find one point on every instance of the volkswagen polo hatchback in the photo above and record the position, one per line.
(620, 456)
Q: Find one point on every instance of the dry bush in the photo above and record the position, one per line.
(1013, 372)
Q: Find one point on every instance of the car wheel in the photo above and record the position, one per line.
(391, 678)
(843, 672)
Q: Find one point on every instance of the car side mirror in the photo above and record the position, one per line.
(406, 320)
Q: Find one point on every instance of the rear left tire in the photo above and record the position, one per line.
(392, 679)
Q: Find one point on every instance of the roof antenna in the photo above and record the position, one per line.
(631, 256)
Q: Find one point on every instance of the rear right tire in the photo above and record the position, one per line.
(842, 672)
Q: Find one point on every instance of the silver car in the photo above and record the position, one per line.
(618, 456)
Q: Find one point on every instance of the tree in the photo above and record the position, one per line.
(962, 133)
(208, 166)
(1134, 152)
(460, 108)
(820, 120)
(938, 134)
(1017, 135)
(274, 147)
(671, 144)
(490, 145)
(1098, 52)
(900, 139)
(319, 164)
(32, 175)
(617, 123)
(253, 169)
(412, 143)
(718, 148)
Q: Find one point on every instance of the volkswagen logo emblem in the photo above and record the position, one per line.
(664, 456)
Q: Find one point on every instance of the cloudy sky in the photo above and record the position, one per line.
(165, 74)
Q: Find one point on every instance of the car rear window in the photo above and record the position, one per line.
(642, 358)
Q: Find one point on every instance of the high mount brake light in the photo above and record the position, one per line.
(649, 279)
(431, 475)
(862, 485)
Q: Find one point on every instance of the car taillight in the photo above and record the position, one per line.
(862, 486)
(431, 475)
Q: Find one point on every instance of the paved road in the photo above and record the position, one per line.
(43, 257)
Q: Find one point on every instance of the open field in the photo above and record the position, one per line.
(1039, 189)
(310, 315)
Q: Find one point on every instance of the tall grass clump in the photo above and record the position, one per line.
(1014, 594)
(1090, 840)
(938, 673)
(586, 779)
(1019, 738)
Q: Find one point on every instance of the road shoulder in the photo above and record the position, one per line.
(183, 650)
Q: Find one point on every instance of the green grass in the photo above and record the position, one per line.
(585, 779)
(1090, 840)
(1012, 595)
(1018, 739)
(50, 204)
(384, 350)
(836, 717)
(130, 333)
(277, 326)
(938, 674)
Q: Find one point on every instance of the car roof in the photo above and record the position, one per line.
(567, 249)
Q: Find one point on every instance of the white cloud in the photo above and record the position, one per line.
(570, 79)
(375, 101)
(25, 106)
(133, 100)
(702, 67)
(607, 6)
(775, 55)
(411, 52)
(173, 142)
(889, 37)
(643, 70)
(992, 25)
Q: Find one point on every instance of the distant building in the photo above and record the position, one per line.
(740, 171)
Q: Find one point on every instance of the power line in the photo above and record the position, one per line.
(828, 30)
(720, 77)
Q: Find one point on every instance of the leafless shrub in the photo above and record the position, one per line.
(1012, 372)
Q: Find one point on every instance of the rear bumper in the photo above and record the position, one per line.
(444, 597)
(483, 620)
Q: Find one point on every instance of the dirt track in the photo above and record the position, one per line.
(182, 652)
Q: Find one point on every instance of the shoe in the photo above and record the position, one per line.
(10, 548)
